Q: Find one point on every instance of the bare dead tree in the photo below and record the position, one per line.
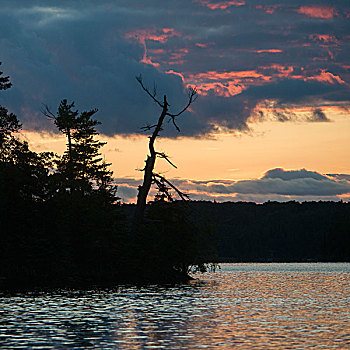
(150, 177)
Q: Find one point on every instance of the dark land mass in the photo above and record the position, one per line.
(274, 231)
(68, 242)
(74, 243)
(292, 231)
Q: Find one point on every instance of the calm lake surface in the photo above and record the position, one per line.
(260, 306)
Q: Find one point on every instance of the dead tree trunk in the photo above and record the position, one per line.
(148, 170)
(149, 176)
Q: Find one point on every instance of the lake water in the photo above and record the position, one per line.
(259, 306)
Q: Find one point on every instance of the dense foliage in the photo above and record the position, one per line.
(61, 222)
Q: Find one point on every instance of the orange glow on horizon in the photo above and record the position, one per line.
(322, 147)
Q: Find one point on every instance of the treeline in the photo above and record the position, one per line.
(273, 231)
(61, 222)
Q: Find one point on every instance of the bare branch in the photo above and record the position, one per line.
(164, 156)
(153, 96)
(192, 96)
(45, 110)
(182, 195)
(177, 128)
(148, 127)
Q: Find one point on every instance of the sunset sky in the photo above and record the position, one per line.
(272, 118)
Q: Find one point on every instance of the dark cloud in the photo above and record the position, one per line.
(287, 183)
(126, 193)
(287, 175)
(345, 177)
(318, 116)
(276, 185)
(292, 91)
(293, 54)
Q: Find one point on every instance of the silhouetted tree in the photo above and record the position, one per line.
(150, 176)
(23, 172)
(88, 161)
(82, 165)
(4, 81)
(9, 123)
(49, 236)
(66, 122)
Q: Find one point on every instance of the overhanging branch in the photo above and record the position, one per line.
(45, 110)
(192, 96)
(182, 195)
(164, 156)
(148, 127)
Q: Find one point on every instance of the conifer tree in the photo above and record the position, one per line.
(25, 171)
(8, 123)
(4, 82)
(66, 121)
(82, 164)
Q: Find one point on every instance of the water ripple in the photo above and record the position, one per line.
(264, 306)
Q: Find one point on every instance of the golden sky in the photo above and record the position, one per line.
(322, 147)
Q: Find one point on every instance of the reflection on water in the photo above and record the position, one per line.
(260, 306)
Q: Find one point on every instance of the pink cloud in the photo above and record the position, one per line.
(156, 51)
(326, 77)
(225, 89)
(232, 83)
(269, 51)
(270, 9)
(325, 12)
(214, 75)
(288, 72)
(177, 56)
(176, 73)
(324, 38)
(161, 36)
(149, 61)
(281, 71)
(225, 83)
(222, 5)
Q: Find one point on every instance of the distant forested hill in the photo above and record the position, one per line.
(273, 231)
(292, 231)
